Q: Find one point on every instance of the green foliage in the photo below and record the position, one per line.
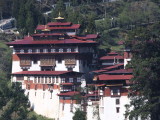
(145, 42)
(139, 13)
(28, 17)
(79, 115)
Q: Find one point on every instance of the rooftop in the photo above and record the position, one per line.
(114, 77)
(43, 72)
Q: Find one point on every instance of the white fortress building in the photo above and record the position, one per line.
(51, 65)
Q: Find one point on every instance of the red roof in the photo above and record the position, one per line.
(112, 53)
(121, 71)
(114, 77)
(89, 36)
(98, 71)
(46, 34)
(42, 27)
(111, 57)
(65, 41)
(59, 23)
(41, 72)
(112, 67)
(48, 52)
(66, 83)
(71, 93)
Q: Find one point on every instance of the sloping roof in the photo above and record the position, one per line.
(66, 83)
(99, 71)
(121, 71)
(42, 27)
(114, 77)
(65, 41)
(84, 37)
(46, 34)
(42, 72)
(112, 53)
(71, 93)
(91, 36)
(111, 57)
(59, 23)
(112, 67)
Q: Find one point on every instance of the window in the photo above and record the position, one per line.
(56, 79)
(35, 80)
(42, 80)
(115, 92)
(29, 50)
(117, 109)
(28, 87)
(53, 80)
(60, 50)
(70, 80)
(43, 87)
(45, 79)
(28, 78)
(117, 101)
(21, 51)
(78, 79)
(53, 50)
(70, 69)
(68, 49)
(75, 49)
(37, 50)
(49, 80)
(59, 60)
(35, 60)
(63, 80)
(35, 87)
(38, 79)
(45, 50)
(19, 78)
(71, 106)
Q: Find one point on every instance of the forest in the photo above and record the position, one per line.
(135, 23)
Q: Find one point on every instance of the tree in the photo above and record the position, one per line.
(139, 13)
(145, 97)
(79, 115)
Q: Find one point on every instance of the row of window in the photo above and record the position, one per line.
(47, 50)
(50, 80)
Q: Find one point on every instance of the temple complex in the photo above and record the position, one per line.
(51, 65)
(54, 65)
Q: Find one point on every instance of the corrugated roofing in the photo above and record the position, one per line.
(112, 67)
(65, 41)
(42, 27)
(121, 71)
(114, 77)
(111, 57)
(59, 23)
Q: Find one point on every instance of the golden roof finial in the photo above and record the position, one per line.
(59, 17)
(59, 14)
(86, 30)
(35, 31)
(46, 29)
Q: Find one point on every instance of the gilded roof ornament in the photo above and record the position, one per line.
(59, 17)
(46, 29)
